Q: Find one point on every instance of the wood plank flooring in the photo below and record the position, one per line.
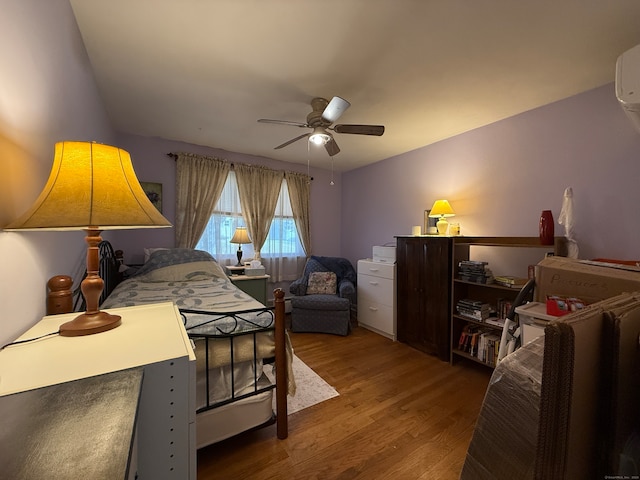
(401, 414)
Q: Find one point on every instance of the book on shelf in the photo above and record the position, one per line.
(495, 321)
(480, 343)
(474, 271)
(473, 309)
(503, 307)
(488, 346)
(509, 281)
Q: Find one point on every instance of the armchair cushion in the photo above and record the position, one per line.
(322, 283)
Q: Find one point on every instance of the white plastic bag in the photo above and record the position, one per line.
(567, 219)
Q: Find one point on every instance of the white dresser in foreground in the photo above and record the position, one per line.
(377, 297)
(151, 337)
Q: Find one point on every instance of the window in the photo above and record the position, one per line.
(282, 242)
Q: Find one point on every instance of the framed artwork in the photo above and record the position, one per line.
(154, 193)
(429, 222)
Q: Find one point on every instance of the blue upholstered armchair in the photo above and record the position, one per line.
(323, 296)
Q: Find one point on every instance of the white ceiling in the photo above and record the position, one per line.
(203, 71)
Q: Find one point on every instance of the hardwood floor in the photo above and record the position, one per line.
(401, 414)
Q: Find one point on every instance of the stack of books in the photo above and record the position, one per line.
(473, 309)
(474, 271)
(509, 281)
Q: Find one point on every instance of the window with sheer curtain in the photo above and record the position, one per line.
(282, 254)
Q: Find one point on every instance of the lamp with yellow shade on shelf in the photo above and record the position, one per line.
(91, 187)
(441, 210)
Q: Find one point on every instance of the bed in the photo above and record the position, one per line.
(236, 338)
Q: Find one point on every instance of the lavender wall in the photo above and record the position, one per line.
(498, 178)
(48, 95)
(149, 156)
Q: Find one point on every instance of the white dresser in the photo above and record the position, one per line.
(377, 297)
(151, 337)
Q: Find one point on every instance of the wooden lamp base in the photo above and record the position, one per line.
(93, 320)
(88, 324)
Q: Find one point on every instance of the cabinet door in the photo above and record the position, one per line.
(424, 281)
(410, 259)
(437, 285)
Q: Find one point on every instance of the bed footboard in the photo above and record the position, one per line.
(230, 361)
(281, 366)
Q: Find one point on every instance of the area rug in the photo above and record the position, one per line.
(310, 387)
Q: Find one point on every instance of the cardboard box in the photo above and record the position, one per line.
(586, 280)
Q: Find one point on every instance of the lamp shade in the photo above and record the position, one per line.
(90, 185)
(241, 236)
(441, 208)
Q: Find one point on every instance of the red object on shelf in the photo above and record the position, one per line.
(560, 306)
(546, 227)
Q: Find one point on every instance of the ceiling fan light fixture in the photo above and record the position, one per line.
(319, 136)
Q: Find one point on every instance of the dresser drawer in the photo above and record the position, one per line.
(383, 270)
(377, 317)
(376, 289)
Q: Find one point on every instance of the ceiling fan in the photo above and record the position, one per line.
(324, 114)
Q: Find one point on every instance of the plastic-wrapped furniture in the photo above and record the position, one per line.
(565, 405)
(323, 296)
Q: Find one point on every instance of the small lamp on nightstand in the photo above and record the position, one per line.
(240, 236)
(441, 210)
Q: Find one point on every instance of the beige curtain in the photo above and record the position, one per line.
(199, 183)
(258, 188)
(299, 186)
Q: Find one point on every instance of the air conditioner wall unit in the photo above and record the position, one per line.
(628, 84)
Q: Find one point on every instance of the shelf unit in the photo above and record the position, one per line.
(487, 293)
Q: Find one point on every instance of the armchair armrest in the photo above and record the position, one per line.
(346, 289)
(298, 287)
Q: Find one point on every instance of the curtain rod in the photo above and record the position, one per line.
(175, 157)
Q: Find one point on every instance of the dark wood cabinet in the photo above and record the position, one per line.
(424, 293)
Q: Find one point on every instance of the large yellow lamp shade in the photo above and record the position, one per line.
(441, 210)
(91, 187)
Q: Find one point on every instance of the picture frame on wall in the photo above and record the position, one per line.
(154, 193)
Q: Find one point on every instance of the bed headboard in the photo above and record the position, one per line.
(109, 271)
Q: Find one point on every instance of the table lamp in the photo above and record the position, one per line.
(91, 187)
(240, 236)
(441, 210)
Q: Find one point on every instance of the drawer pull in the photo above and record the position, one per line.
(373, 283)
(374, 269)
(373, 309)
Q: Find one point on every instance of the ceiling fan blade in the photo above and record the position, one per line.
(292, 140)
(332, 147)
(282, 122)
(376, 130)
(335, 109)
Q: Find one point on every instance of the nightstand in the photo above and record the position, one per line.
(256, 286)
